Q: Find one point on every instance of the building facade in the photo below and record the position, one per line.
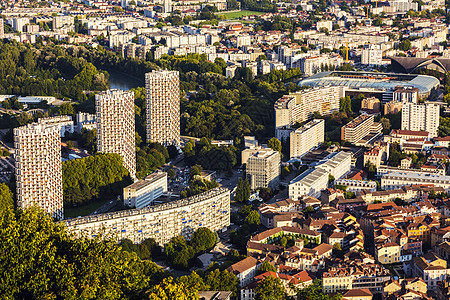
(163, 107)
(143, 192)
(307, 137)
(263, 169)
(421, 117)
(64, 123)
(355, 130)
(300, 106)
(116, 126)
(161, 222)
(39, 168)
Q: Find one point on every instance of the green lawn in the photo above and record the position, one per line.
(237, 14)
(84, 210)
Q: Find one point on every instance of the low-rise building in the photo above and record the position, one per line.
(143, 192)
(245, 270)
(396, 180)
(309, 183)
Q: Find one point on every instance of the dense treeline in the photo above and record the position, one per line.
(210, 157)
(46, 70)
(39, 260)
(93, 177)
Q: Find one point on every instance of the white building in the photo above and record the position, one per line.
(300, 106)
(161, 222)
(263, 169)
(396, 180)
(421, 117)
(143, 192)
(38, 168)
(116, 126)
(309, 183)
(337, 164)
(163, 107)
(245, 270)
(316, 64)
(371, 55)
(85, 120)
(357, 185)
(307, 137)
(64, 123)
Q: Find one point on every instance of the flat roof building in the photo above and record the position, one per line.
(161, 222)
(143, 192)
(38, 168)
(263, 169)
(307, 137)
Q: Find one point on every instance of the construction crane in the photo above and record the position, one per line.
(346, 51)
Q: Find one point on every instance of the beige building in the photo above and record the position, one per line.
(161, 222)
(388, 253)
(38, 168)
(357, 129)
(431, 268)
(300, 106)
(421, 117)
(396, 180)
(116, 126)
(263, 169)
(392, 107)
(163, 107)
(307, 137)
(405, 94)
(143, 192)
(371, 103)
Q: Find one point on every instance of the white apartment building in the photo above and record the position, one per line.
(245, 270)
(61, 21)
(337, 164)
(38, 168)
(163, 107)
(300, 106)
(314, 64)
(371, 55)
(116, 126)
(263, 169)
(19, 23)
(309, 183)
(355, 130)
(406, 94)
(161, 222)
(307, 137)
(143, 192)
(85, 120)
(421, 117)
(396, 180)
(64, 123)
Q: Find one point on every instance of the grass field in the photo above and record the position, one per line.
(73, 212)
(237, 14)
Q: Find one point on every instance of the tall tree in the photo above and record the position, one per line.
(270, 288)
(275, 144)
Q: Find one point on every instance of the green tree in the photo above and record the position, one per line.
(345, 104)
(6, 199)
(404, 45)
(275, 144)
(94, 177)
(240, 191)
(40, 260)
(270, 288)
(169, 289)
(203, 239)
(314, 292)
(283, 241)
(221, 281)
(266, 267)
(386, 123)
(252, 218)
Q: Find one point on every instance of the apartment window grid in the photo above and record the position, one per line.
(116, 126)
(163, 107)
(39, 168)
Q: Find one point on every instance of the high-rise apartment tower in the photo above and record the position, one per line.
(116, 126)
(39, 168)
(163, 107)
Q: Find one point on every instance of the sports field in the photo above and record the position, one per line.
(237, 14)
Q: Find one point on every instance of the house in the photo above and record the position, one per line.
(245, 270)
(358, 294)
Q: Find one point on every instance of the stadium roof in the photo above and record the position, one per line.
(372, 80)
